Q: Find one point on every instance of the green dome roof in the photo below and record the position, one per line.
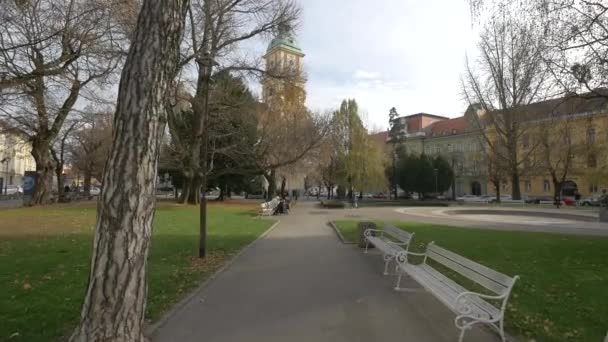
(286, 40)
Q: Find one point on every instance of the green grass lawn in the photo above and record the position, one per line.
(563, 291)
(45, 255)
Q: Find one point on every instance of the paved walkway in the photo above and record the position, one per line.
(299, 283)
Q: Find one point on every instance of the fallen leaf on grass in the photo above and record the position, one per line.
(27, 286)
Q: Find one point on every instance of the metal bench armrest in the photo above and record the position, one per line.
(464, 307)
(368, 232)
(416, 254)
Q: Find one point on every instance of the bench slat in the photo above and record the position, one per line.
(384, 246)
(397, 233)
(458, 289)
(494, 281)
(447, 291)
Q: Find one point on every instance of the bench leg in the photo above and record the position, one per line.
(461, 337)
(387, 260)
(366, 245)
(397, 286)
(501, 330)
(464, 323)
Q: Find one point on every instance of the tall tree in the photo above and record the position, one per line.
(58, 152)
(216, 29)
(90, 146)
(509, 75)
(576, 39)
(50, 51)
(353, 161)
(115, 300)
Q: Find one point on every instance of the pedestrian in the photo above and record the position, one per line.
(577, 198)
(604, 199)
(355, 205)
(558, 201)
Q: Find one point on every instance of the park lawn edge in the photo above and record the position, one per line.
(550, 302)
(153, 325)
(45, 284)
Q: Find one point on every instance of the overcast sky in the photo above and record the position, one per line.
(403, 53)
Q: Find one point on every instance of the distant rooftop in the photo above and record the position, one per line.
(425, 114)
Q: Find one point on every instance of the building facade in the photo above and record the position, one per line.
(284, 93)
(454, 139)
(15, 158)
(285, 80)
(561, 143)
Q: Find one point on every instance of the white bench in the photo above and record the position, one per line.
(470, 307)
(268, 208)
(391, 241)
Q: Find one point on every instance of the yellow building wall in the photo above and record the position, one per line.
(590, 180)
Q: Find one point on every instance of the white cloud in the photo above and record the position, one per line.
(366, 75)
(386, 53)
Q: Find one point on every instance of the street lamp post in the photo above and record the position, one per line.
(394, 174)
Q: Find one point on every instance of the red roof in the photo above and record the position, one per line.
(380, 137)
(448, 127)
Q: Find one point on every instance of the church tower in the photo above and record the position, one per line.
(284, 63)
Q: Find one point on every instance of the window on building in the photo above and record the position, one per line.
(528, 186)
(591, 161)
(546, 186)
(453, 130)
(437, 149)
(593, 188)
(591, 136)
(526, 141)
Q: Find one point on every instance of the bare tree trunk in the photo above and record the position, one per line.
(87, 182)
(44, 170)
(515, 191)
(283, 185)
(115, 301)
(272, 185)
(59, 175)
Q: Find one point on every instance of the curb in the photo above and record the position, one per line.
(340, 236)
(149, 330)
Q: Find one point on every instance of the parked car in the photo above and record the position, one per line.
(540, 200)
(569, 200)
(471, 199)
(94, 191)
(502, 198)
(380, 195)
(12, 190)
(591, 202)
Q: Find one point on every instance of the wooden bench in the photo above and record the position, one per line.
(470, 307)
(269, 208)
(390, 240)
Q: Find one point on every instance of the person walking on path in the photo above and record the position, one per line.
(558, 201)
(577, 198)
